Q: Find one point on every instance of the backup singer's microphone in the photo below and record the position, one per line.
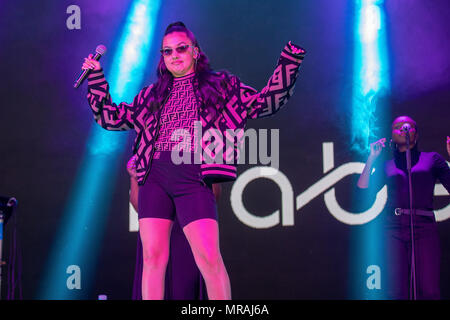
(406, 127)
(12, 202)
(99, 51)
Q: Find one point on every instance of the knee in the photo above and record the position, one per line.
(209, 260)
(155, 258)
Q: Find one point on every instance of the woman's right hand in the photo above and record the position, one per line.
(376, 148)
(131, 166)
(90, 63)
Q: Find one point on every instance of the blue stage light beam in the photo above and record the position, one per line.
(371, 83)
(72, 261)
(370, 71)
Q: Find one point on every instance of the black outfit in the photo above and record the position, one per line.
(426, 168)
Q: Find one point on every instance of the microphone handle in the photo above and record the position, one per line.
(84, 73)
(408, 152)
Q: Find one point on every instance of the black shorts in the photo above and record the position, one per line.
(176, 191)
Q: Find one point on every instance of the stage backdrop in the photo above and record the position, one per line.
(298, 233)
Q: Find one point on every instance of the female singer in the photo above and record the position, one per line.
(187, 91)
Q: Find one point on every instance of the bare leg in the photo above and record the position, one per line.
(203, 237)
(155, 236)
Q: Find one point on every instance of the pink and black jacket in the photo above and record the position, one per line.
(244, 103)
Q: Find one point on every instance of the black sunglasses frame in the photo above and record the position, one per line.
(167, 52)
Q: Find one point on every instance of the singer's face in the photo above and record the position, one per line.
(398, 136)
(179, 64)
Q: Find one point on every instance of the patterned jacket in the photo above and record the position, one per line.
(244, 103)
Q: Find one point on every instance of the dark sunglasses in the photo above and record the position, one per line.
(181, 49)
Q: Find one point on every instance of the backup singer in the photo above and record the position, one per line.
(187, 90)
(426, 169)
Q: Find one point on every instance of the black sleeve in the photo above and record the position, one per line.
(441, 170)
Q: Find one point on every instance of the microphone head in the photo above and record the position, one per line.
(406, 127)
(101, 49)
(12, 202)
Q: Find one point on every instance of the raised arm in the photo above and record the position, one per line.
(375, 151)
(106, 113)
(279, 88)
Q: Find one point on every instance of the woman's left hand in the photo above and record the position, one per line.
(295, 49)
(448, 145)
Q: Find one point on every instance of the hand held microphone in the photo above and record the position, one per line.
(99, 51)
